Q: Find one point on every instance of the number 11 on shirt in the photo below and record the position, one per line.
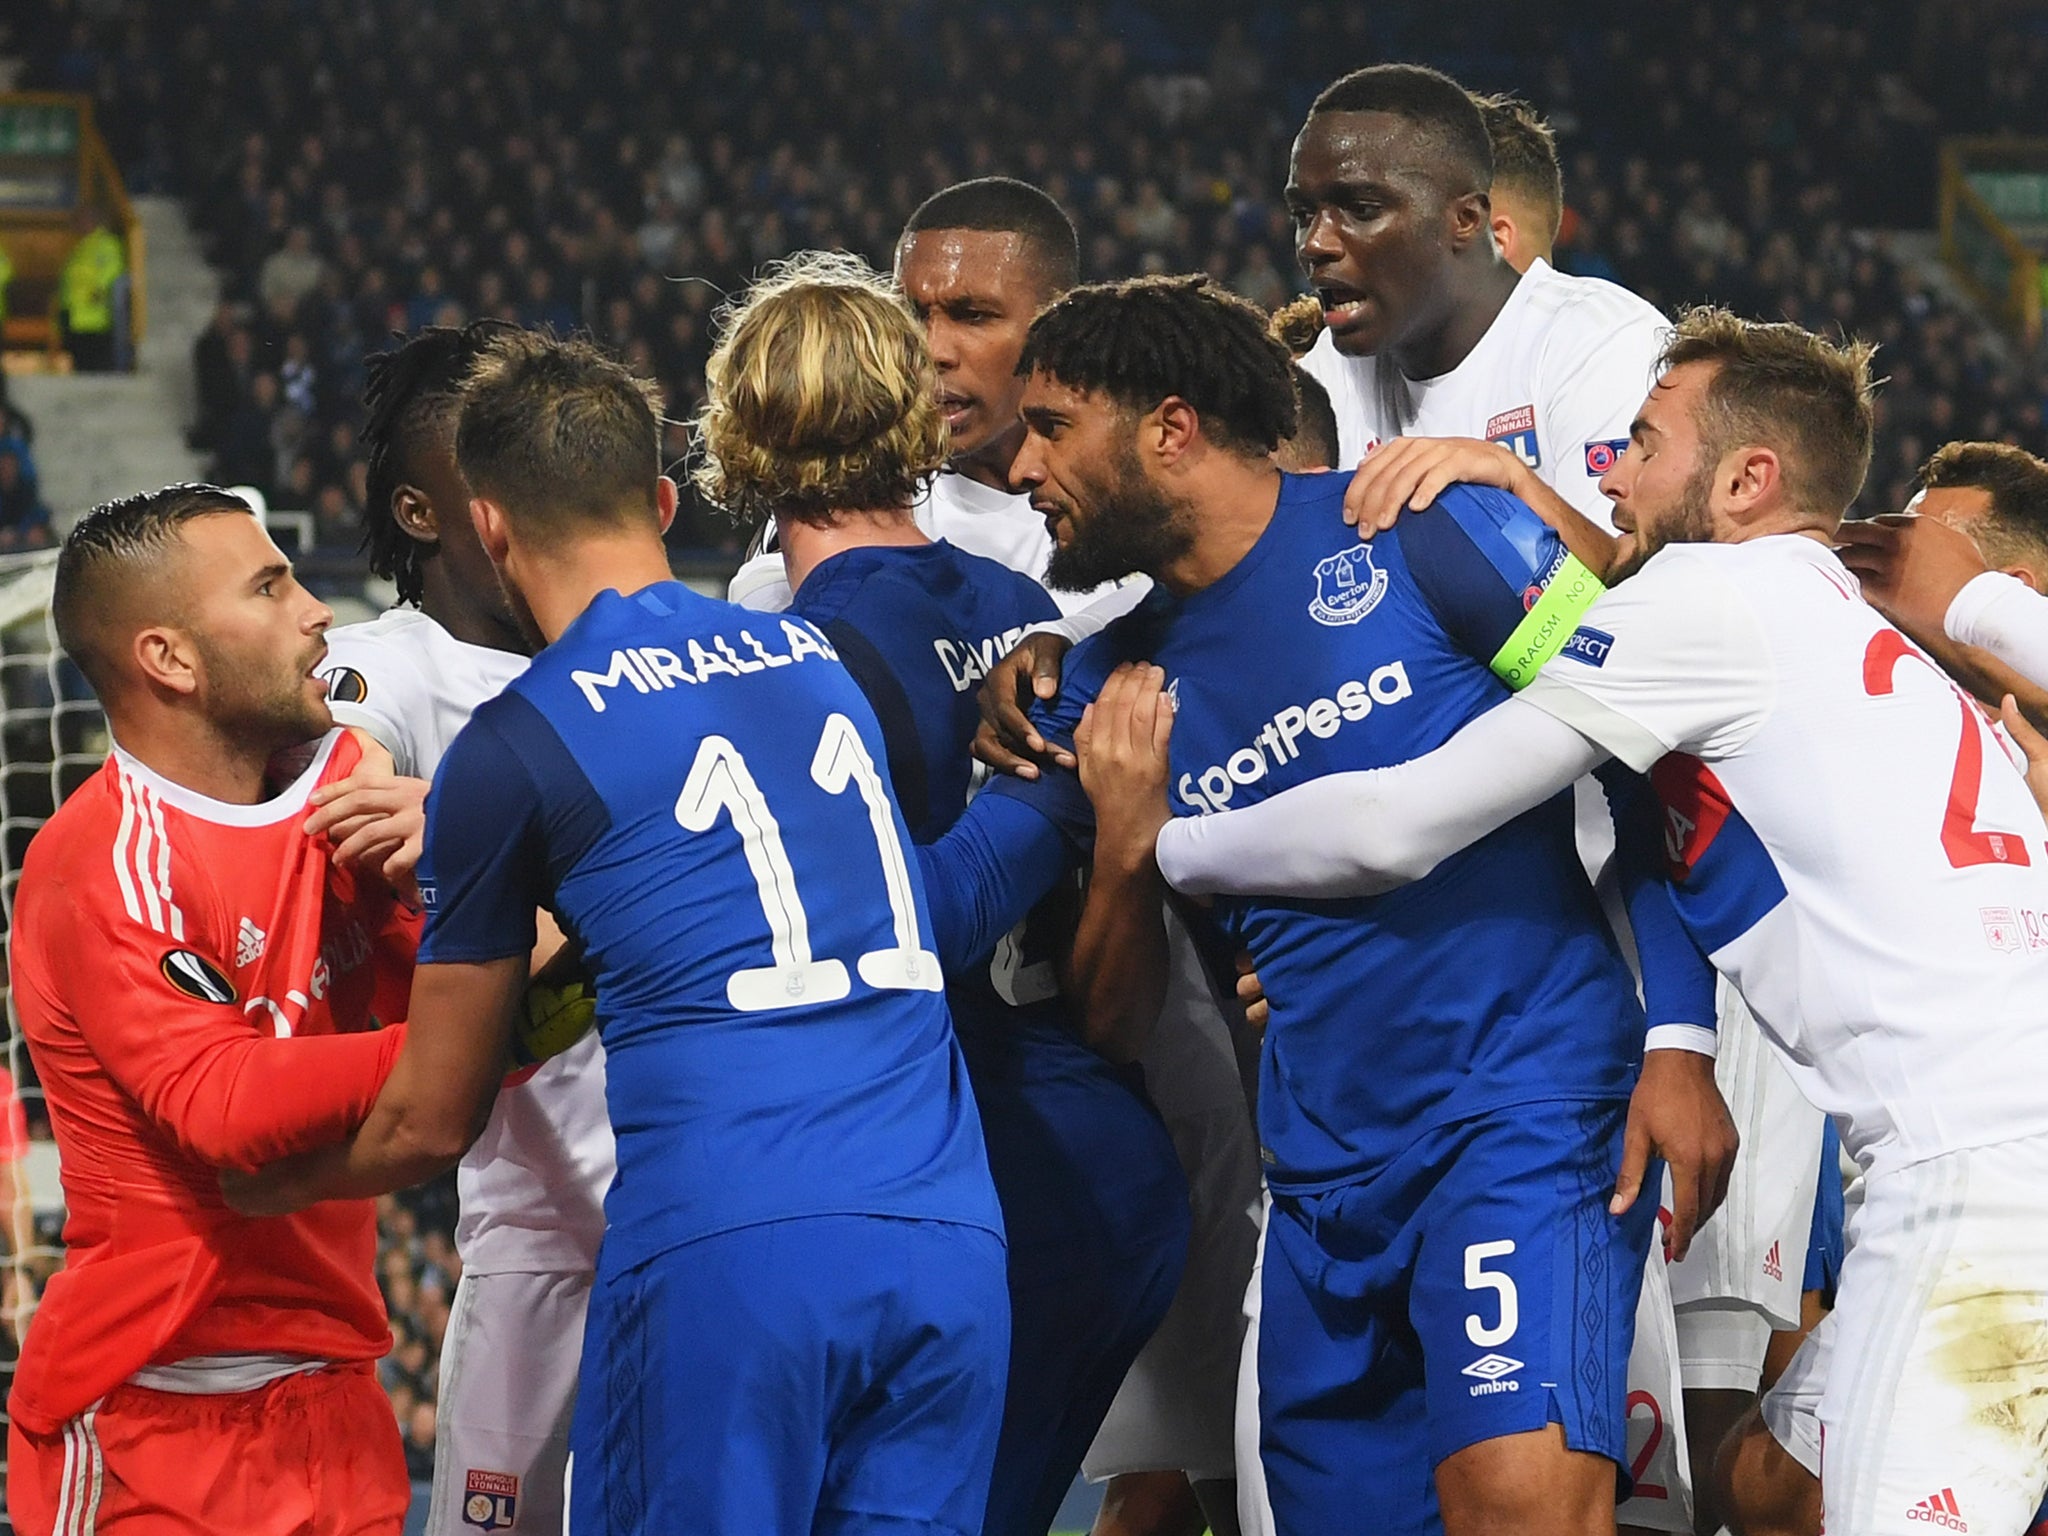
(718, 782)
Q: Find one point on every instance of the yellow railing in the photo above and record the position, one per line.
(2001, 268)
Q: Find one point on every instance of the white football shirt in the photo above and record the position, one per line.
(532, 1187)
(1557, 377)
(997, 525)
(1860, 855)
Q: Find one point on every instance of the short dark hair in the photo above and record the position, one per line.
(410, 393)
(1143, 339)
(1428, 98)
(1314, 443)
(554, 431)
(1524, 155)
(1782, 386)
(1005, 205)
(111, 545)
(2017, 484)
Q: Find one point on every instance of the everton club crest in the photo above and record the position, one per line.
(1348, 587)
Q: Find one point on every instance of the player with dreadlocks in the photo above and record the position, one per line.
(532, 1187)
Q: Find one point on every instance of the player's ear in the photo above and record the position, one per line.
(2023, 574)
(665, 498)
(1503, 236)
(1470, 217)
(488, 518)
(414, 514)
(1171, 430)
(166, 659)
(1752, 481)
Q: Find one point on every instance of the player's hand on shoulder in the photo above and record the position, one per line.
(1122, 746)
(376, 822)
(1407, 474)
(1678, 1114)
(1006, 740)
(1911, 568)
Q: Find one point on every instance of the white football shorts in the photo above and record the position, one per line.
(1921, 1401)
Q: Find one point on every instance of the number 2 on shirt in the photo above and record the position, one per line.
(718, 781)
(1960, 839)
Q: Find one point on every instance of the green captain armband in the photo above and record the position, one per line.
(1545, 627)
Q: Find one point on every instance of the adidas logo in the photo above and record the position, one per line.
(1939, 1509)
(1490, 1369)
(249, 942)
(1771, 1265)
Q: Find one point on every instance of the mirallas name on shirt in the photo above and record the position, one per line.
(652, 668)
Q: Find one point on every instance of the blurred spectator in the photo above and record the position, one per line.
(623, 167)
(24, 520)
(14, 421)
(85, 291)
(6, 277)
(289, 273)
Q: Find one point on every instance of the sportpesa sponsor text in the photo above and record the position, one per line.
(1278, 740)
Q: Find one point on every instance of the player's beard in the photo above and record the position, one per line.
(1129, 525)
(1690, 521)
(263, 700)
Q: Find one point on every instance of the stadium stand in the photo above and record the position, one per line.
(364, 166)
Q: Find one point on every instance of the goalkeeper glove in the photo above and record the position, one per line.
(557, 1015)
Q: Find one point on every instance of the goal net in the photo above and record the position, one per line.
(52, 738)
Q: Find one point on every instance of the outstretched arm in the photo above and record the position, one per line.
(1361, 834)
(432, 1106)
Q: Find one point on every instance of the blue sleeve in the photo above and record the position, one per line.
(1678, 980)
(509, 814)
(1479, 557)
(482, 871)
(986, 874)
(1056, 793)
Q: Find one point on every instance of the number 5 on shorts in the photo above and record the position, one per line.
(1479, 1278)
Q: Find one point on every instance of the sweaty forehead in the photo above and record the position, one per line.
(945, 266)
(1351, 148)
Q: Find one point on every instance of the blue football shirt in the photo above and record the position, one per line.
(699, 794)
(919, 626)
(1493, 981)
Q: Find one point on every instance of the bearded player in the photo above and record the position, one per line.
(196, 978)
(976, 262)
(1877, 929)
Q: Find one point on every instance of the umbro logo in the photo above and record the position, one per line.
(1772, 1266)
(249, 943)
(1491, 1371)
(1939, 1509)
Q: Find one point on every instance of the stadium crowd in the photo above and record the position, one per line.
(611, 167)
(622, 168)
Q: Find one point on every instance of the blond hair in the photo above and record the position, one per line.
(821, 396)
(1782, 387)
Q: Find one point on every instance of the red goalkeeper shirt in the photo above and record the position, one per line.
(196, 984)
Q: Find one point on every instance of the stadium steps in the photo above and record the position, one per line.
(109, 434)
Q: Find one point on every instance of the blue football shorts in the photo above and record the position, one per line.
(836, 1375)
(1474, 1288)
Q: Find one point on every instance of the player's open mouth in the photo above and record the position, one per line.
(954, 408)
(1342, 307)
